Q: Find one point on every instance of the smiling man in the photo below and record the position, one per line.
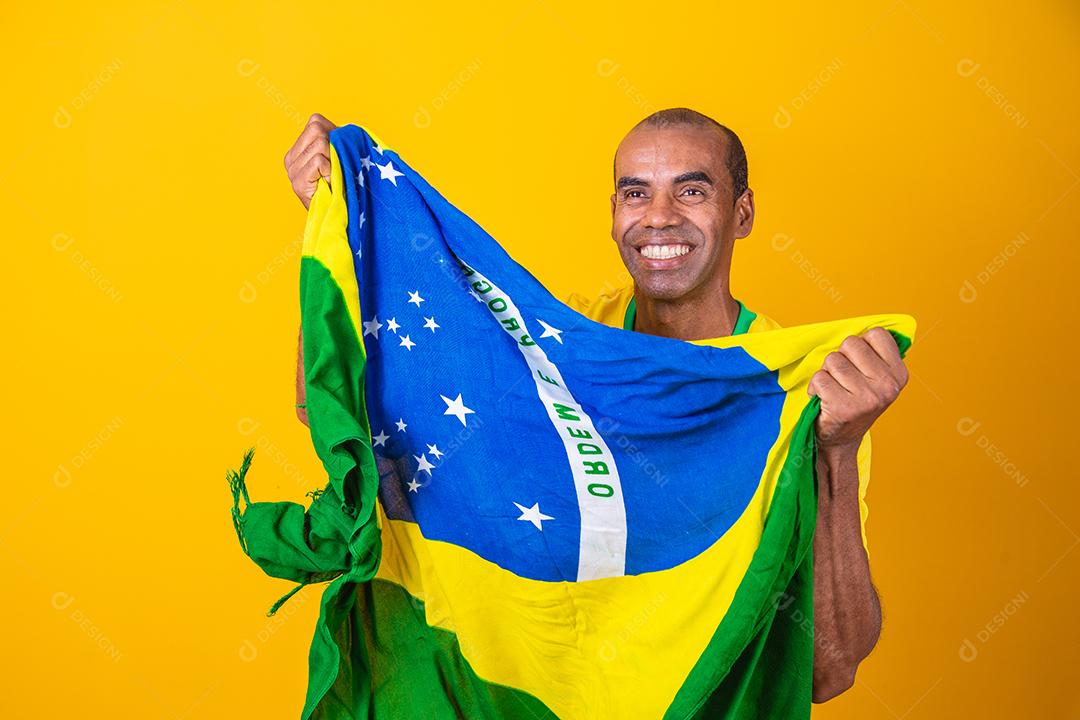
(681, 201)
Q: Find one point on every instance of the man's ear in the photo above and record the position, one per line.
(744, 214)
(612, 216)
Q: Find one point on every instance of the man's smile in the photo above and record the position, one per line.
(662, 256)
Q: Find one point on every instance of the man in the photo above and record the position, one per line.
(681, 200)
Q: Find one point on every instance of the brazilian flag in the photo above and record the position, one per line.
(529, 514)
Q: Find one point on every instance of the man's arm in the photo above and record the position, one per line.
(301, 389)
(847, 612)
(305, 162)
(855, 385)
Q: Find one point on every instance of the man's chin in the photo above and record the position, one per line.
(653, 284)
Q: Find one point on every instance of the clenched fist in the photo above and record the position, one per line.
(309, 158)
(855, 385)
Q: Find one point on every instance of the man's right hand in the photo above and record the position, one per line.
(309, 158)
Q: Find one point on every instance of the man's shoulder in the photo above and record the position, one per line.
(762, 323)
(608, 307)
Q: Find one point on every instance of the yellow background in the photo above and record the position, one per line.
(906, 157)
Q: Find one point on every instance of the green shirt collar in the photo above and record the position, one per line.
(742, 323)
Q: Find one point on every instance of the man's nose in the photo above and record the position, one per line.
(661, 212)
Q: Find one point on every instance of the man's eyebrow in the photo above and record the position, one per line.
(628, 181)
(693, 175)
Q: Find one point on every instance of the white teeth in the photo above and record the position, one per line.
(663, 252)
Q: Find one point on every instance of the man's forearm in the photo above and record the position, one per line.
(847, 613)
(301, 390)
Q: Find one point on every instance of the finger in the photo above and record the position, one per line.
(822, 384)
(322, 120)
(317, 125)
(309, 133)
(308, 176)
(883, 343)
(863, 356)
(318, 146)
(844, 372)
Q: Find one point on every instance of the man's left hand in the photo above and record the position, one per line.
(855, 385)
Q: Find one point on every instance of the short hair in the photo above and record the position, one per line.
(736, 154)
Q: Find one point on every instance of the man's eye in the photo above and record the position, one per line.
(630, 194)
(699, 192)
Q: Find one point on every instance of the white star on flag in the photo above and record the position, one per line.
(434, 450)
(377, 148)
(476, 297)
(413, 485)
(392, 324)
(457, 408)
(360, 178)
(431, 324)
(361, 223)
(424, 463)
(550, 331)
(371, 327)
(366, 162)
(387, 172)
(533, 515)
(407, 343)
(415, 299)
(401, 424)
(380, 439)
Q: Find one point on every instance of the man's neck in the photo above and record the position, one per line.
(710, 315)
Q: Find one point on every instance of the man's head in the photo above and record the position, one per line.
(680, 202)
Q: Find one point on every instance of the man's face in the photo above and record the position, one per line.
(672, 213)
